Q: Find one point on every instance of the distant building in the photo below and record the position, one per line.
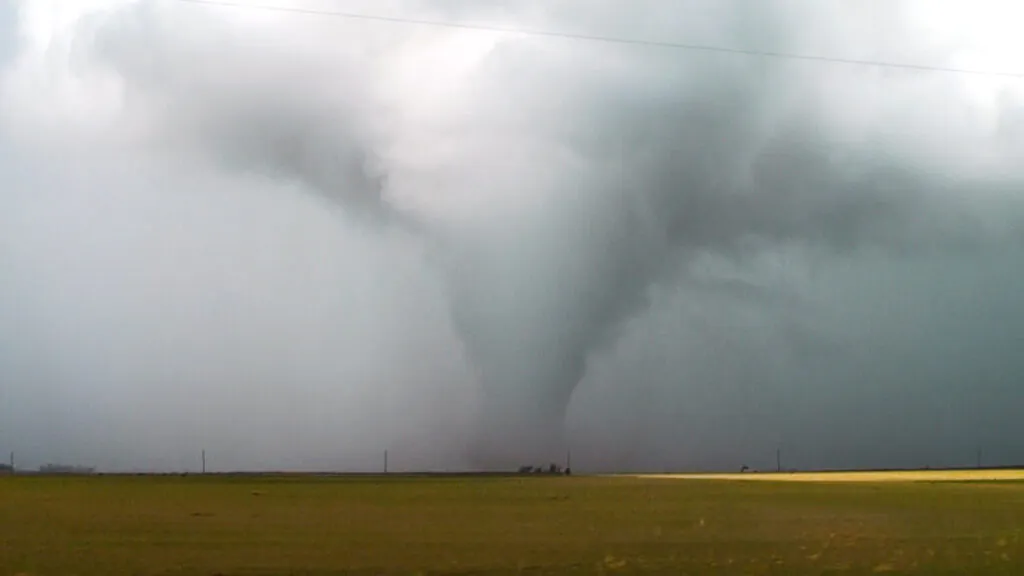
(6, 469)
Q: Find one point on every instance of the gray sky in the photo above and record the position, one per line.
(8, 28)
(297, 241)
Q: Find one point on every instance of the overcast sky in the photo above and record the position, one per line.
(296, 241)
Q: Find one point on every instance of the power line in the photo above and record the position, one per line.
(607, 39)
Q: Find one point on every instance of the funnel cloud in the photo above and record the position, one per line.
(297, 241)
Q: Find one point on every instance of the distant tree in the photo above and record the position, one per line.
(65, 469)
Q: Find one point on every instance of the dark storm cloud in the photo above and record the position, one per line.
(698, 239)
(714, 155)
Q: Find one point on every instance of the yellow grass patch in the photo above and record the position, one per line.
(884, 476)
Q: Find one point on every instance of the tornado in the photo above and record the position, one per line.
(534, 296)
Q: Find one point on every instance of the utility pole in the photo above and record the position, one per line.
(385, 461)
(979, 458)
(778, 460)
(12, 462)
(204, 461)
(568, 459)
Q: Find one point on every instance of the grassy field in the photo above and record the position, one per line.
(209, 525)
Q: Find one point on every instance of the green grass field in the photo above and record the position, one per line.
(207, 525)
